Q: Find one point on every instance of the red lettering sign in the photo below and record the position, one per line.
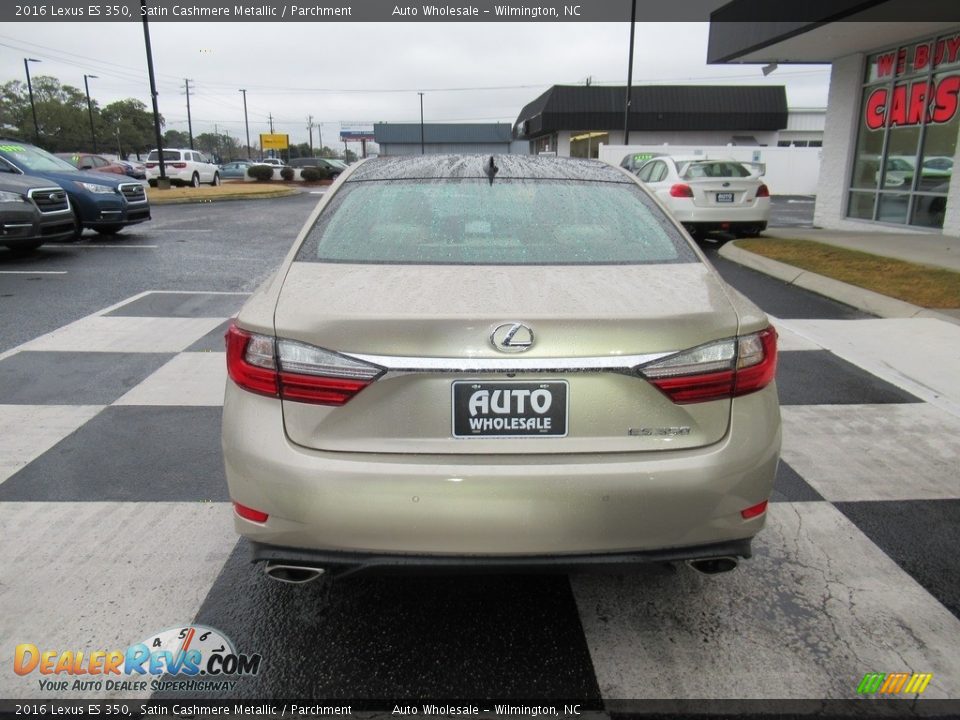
(918, 103)
(876, 107)
(946, 100)
(921, 56)
(885, 64)
(907, 106)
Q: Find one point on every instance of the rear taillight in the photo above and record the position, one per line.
(763, 191)
(293, 370)
(721, 369)
(179, 165)
(681, 190)
(151, 165)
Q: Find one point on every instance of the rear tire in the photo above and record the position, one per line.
(77, 228)
(195, 180)
(216, 180)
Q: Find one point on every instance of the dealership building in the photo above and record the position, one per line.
(890, 139)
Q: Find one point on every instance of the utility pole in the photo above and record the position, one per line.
(93, 133)
(33, 107)
(626, 109)
(320, 137)
(245, 121)
(422, 151)
(186, 84)
(310, 130)
(271, 123)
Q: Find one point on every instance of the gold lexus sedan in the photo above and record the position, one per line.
(497, 363)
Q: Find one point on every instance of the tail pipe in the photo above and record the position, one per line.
(714, 565)
(295, 574)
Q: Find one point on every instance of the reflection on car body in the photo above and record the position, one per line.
(497, 362)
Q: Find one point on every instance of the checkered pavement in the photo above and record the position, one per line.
(114, 523)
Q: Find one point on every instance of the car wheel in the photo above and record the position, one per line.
(216, 180)
(195, 181)
(77, 227)
(109, 229)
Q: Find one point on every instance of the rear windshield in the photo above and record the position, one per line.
(715, 170)
(167, 155)
(511, 222)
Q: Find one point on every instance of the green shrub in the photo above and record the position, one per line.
(260, 173)
(311, 174)
(287, 173)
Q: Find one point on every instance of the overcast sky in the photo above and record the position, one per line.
(369, 72)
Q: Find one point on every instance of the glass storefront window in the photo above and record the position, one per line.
(587, 144)
(909, 122)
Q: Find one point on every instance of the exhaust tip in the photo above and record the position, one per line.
(714, 566)
(294, 574)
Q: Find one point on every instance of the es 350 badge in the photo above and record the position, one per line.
(195, 657)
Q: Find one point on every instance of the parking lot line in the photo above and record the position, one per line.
(124, 247)
(33, 272)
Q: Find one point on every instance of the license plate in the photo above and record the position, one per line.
(724, 197)
(510, 409)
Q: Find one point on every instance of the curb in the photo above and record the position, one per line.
(860, 298)
(250, 196)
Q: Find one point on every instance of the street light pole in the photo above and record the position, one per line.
(162, 182)
(33, 107)
(186, 84)
(93, 133)
(626, 109)
(246, 122)
(422, 151)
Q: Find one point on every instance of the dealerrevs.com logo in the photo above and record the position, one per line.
(187, 659)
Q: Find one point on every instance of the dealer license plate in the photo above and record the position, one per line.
(511, 409)
(724, 197)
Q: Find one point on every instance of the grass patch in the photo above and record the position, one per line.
(917, 284)
(227, 191)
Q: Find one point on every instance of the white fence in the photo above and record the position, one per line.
(790, 170)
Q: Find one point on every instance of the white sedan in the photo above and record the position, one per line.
(709, 195)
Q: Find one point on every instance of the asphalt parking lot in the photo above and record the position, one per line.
(115, 522)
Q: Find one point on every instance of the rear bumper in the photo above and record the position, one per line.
(497, 505)
(342, 564)
(756, 212)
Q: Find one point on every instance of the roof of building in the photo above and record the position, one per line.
(655, 107)
(409, 133)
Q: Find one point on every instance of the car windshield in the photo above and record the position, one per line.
(167, 155)
(510, 222)
(29, 158)
(714, 169)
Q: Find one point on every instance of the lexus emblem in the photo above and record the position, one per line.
(512, 337)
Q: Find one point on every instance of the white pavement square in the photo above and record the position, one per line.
(819, 606)
(102, 576)
(126, 334)
(48, 425)
(194, 378)
(788, 340)
(905, 451)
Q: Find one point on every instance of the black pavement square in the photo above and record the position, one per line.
(920, 536)
(779, 298)
(818, 377)
(213, 341)
(130, 454)
(182, 305)
(789, 486)
(73, 378)
(515, 636)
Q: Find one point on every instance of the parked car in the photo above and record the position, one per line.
(497, 362)
(32, 211)
(102, 202)
(331, 166)
(633, 161)
(708, 195)
(182, 167)
(235, 169)
(86, 161)
(133, 169)
(273, 162)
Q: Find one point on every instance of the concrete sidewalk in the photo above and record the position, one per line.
(936, 250)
